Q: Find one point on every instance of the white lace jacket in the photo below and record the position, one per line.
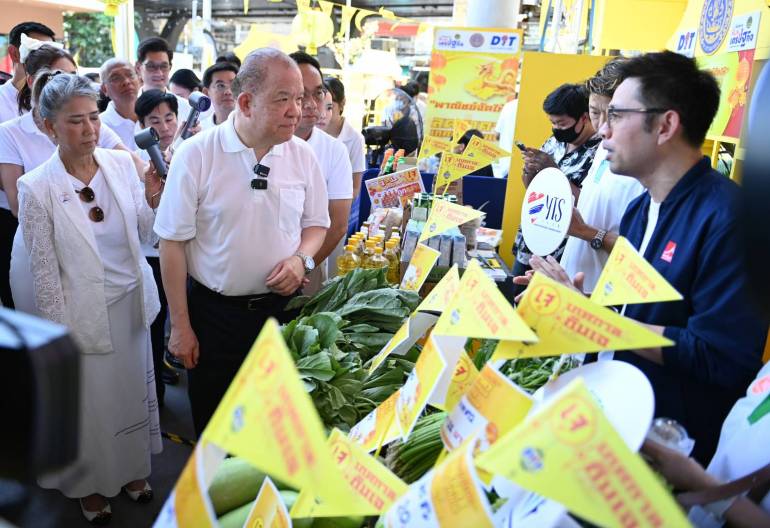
(67, 271)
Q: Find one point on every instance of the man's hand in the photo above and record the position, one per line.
(551, 268)
(578, 227)
(534, 161)
(183, 345)
(287, 276)
(682, 472)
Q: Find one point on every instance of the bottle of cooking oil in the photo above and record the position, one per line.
(376, 260)
(394, 267)
(347, 262)
(368, 253)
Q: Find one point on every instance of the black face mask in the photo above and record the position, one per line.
(567, 135)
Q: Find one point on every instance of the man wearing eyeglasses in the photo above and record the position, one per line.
(335, 166)
(218, 85)
(121, 84)
(685, 226)
(244, 211)
(153, 66)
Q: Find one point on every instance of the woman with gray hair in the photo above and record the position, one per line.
(82, 214)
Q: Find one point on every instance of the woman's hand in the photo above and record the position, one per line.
(153, 186)
(682, 472)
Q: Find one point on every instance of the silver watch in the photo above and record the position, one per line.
(307, 261)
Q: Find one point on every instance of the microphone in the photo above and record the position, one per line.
(148, 140)
(198, 103)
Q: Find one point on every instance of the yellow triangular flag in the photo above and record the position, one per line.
(420, 266)
(379, 427)
(405, 337)
(269, 510)
(326, 7)
(347, 15)
(460, 127)
(479, 310)
(433, 145)
(445, 215)
(442, 293)
(569, 452)
(465, 373)
(376, 486)
(627, 278)
(453, 167)
(267, 418)
(486, 151)
(567, 322)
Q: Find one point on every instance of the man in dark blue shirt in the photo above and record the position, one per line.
(685, 226)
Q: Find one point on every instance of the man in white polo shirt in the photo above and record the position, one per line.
(218, 85)
(153, 66)
(244, 209)
(121, 84)
(335, 165)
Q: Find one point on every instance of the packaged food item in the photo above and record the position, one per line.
(394, 267)
(376, 260)
(347, 262)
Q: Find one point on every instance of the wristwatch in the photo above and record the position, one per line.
(598, 239)
(307, 262)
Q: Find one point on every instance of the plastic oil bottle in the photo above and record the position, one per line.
(394, 266)
(376, 260)
(347, 262)
(368, 253)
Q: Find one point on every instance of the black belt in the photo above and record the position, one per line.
(253, 303)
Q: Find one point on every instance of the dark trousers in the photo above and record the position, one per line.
(158, 330)
(226, 328)
(8, 225)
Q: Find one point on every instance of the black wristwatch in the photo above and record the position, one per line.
(598, 240)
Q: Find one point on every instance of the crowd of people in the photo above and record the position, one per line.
(257, 201)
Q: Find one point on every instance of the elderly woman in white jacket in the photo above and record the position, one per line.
(82, 214)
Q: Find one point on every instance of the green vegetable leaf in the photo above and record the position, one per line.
(317, 366)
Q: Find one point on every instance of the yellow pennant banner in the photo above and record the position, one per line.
(491, 407)
(378, 428)
(451, 495)
(453, 167)
(423, 260)
(460, 127)
(419, 387)
(486, 151)
(628, 278)
(464, 376)
(566, 322)
(431, 146)
(569, 452)
(479, 310)
(268, 511)
(445, 215)
(439, 297)
(410, 332)
(267, 418)
(367, 479)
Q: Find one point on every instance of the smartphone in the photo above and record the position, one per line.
(521, 146)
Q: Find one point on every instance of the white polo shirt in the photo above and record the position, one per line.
(23, 144)
(354, 142)
(237, 235)
(9, 102)
(123, 127)
(603, 201)
(335, 165)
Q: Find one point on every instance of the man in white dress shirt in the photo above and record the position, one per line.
(335, 165)
(9, 92)
(244, 209)
(121, 84)
(218, 85)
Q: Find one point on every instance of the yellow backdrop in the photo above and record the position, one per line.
(540, 74)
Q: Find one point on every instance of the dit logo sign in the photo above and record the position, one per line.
(685, 43)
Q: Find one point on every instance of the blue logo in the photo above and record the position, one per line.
(714, 23)
(504, 41)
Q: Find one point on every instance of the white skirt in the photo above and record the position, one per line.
(119, 423)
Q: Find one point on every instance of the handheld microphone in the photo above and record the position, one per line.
(148, 140)
(198, 103)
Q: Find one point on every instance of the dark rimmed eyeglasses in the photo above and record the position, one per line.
(96, 214)
(613, 113)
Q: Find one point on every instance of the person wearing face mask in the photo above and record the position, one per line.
(244, 210)
(9, 92)
(82, 214)
(570, 149)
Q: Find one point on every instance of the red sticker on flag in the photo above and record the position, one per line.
(668, 253)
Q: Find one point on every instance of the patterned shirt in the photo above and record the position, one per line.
(575, 166)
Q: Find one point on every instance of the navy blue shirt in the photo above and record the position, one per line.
(718, 331)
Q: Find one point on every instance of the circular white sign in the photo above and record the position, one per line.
(623, 391)
(546, 212)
